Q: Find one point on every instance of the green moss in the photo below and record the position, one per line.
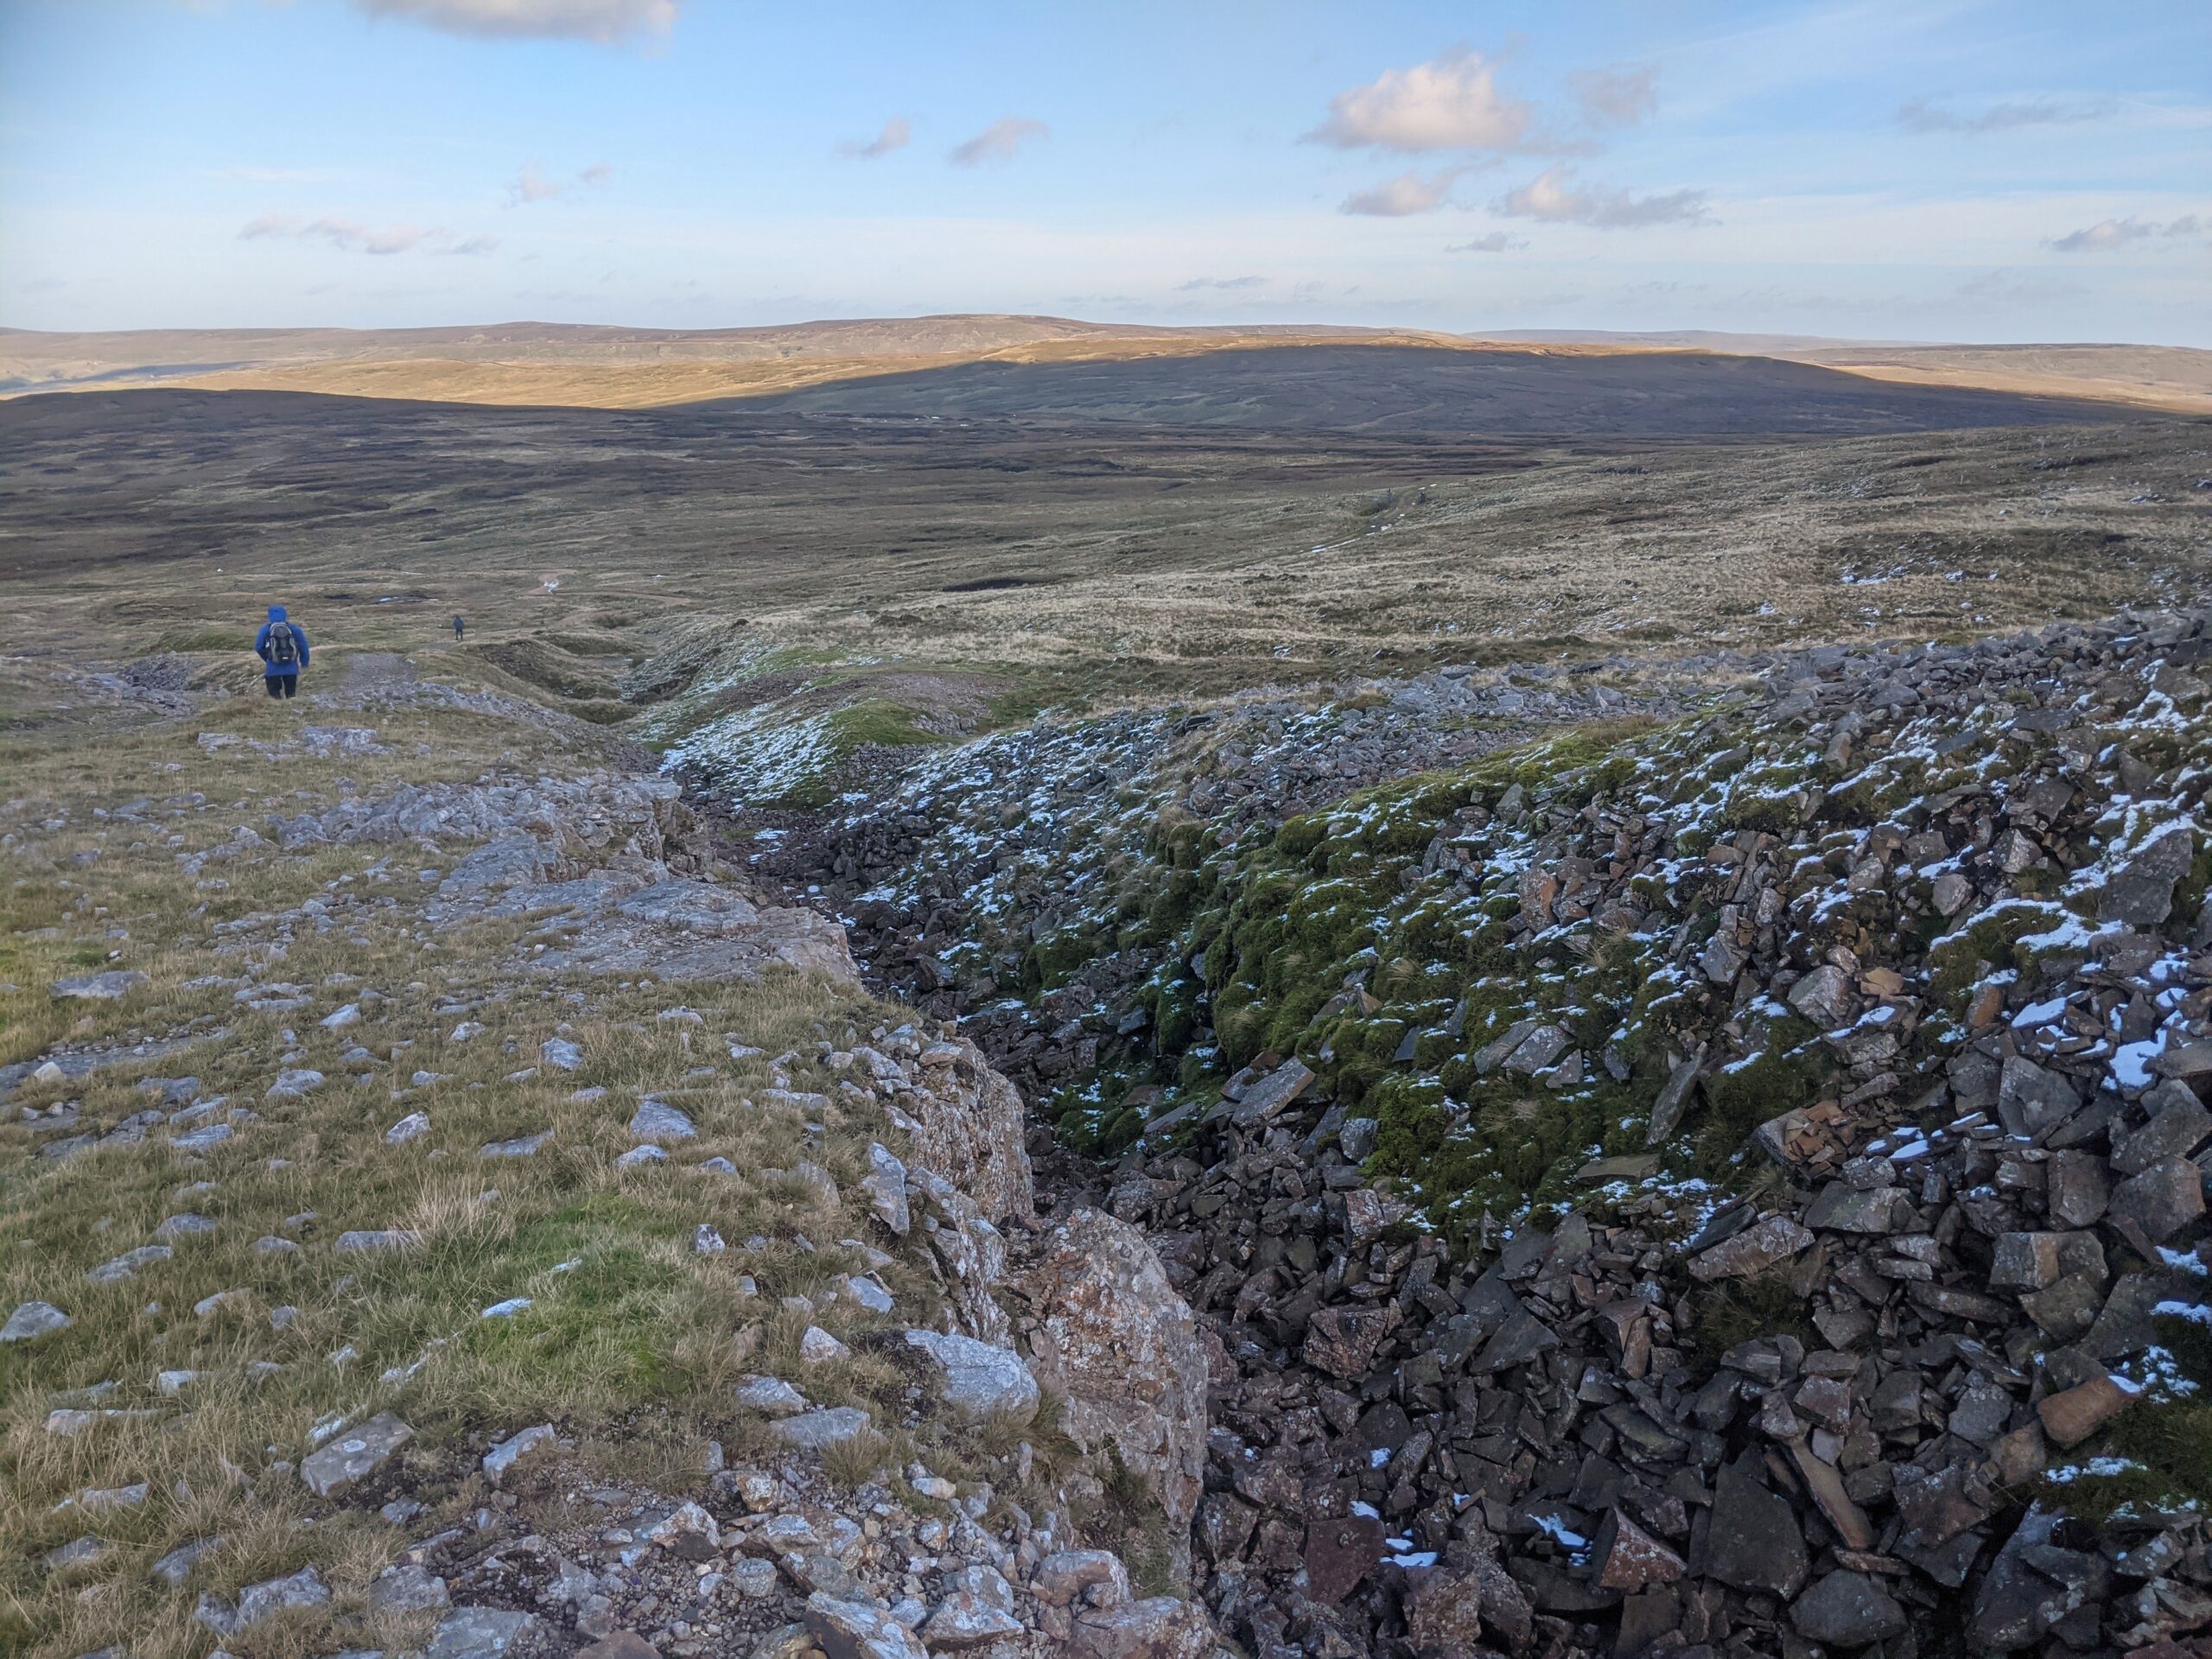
(2169, 1439)
(876, 722)
(1740, 1099)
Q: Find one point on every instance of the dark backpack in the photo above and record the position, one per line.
(283, 645)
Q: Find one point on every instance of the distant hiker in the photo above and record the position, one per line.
(282, 645)
(459, 629)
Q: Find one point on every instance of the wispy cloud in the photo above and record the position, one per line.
(1552, 196)
(1619, 96)
(2109, 233)
(600, 21)
(530, 185)
(1495, 242)
(1407, 193)
(895, 134)
(1449, 102)
(2009, 288)
(1198, 282)
(1000, 142)
(353, 237)
(1928, 115)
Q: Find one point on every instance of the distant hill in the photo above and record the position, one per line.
(2156, 377)
(1164, 373)
(1404, 389)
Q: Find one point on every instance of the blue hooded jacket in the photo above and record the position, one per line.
(274, 670)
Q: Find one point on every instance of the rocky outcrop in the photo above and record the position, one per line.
(969, 1124)
(1912, 941)
(1109, 1334)
(596, 818)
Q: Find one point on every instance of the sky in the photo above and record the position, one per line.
(1906, 169)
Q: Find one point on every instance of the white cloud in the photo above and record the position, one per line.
(1495, 242)
(1553, 197)
(1000, 142)
(2109, 233)
(895, 134)
(602, 21)
(530, 185)
(1450, 102)
(1926, 114)
(354, 237)
(1617, 98)
(1409, 193)
(1198, 282)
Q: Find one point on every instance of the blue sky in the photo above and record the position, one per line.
(1890, 168)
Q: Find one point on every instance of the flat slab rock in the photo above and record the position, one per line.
(109, 987)
(354, 1454)
(812, 1431)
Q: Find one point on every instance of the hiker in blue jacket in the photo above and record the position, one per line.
(282, 645)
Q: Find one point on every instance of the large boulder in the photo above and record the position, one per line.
(1112, 1338)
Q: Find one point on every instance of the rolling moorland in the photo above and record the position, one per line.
(1318, 1000)
(609, 367)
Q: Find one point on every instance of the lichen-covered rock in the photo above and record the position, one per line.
(969, 1127)
(1113, 1338)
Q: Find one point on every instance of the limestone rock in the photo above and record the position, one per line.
(354, 1454)
(980, 1380)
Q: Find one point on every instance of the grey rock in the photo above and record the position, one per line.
(502, 1457)
(859, 1630)
(771, 1396)
(2161, 1200)
(1755, 1543)
(407, 1588)
(376, 1240)
(522, 1147)
(354, 1454)
(109, 987)
(480, 1633)
(2141, 892)
(813, 1431)
(886, 1186)
(304, 1588)
(176, 1567)
(980, 1380)
(2178, 1129)
(2031, 1100)
(32, 1320)
(1825, 996)
(656, 1120)
(1264, 1100)
(1847, 1609)
(1753, 1251)
(412, 1126)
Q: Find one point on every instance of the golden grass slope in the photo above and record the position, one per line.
(548, 365)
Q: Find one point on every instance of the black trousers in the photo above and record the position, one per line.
(280, 685)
